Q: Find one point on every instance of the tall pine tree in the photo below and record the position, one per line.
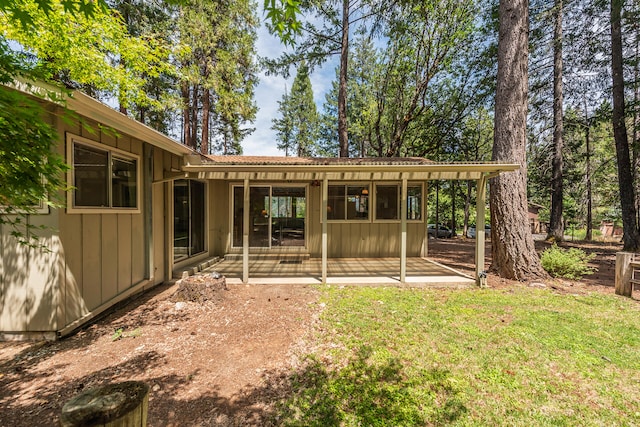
(297, 128)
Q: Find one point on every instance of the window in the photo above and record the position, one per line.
(388, 198)
(102, 178)
(348, 202)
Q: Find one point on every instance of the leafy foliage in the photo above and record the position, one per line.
(30, 171)
(93, 50)
(569, 263)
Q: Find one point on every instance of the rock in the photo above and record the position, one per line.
(537, 285)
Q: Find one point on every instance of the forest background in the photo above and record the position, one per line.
(413, 79)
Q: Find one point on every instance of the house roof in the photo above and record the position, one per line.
(88, 107)
(267, 168)
(316, 161)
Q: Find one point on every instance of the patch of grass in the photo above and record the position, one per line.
(402, 357)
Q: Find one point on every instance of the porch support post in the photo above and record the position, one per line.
(323, 212)
(245, 233)
(403, 230)
(424, 251)
(481, 200)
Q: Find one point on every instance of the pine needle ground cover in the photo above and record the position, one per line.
(518, 357)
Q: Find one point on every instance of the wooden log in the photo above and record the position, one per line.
(624, 273)
(114, 405)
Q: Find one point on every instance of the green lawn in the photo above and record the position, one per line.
(400, 357)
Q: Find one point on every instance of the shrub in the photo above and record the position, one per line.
(567, 263)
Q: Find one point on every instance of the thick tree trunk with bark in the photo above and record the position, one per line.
(631, 236)
(556, 223)
(343, 135)
(206, 106)
(186, 116)
(514, 254)
(589, 235)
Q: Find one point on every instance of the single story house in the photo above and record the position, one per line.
(144, 207)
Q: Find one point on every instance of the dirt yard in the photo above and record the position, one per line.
(220, 363)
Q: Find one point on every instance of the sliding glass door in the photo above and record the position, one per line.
(188, 219)
(277, 216)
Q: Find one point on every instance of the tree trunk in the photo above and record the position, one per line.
(343, 135)
(206, 105)
(453, 207)
(467, 205)
(514, 254)
(631, 236)
(437, 207)
(194, 117)
(186, 117)
(556, 223)
(589, 235)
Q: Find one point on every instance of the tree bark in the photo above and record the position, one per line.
(206, 105)
(514, 254)
(587, 137)
(343, 135)
(631, 236)
(186, 117)
(556, 223)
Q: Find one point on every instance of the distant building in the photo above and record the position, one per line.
(537, 227)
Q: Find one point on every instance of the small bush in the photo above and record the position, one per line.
(567, 263)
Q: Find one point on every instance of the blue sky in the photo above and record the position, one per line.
(262, 141)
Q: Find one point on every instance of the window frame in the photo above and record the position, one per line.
(72, 140)
(398, 185)
(346, 186)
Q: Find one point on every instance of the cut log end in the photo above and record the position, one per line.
(114, 404)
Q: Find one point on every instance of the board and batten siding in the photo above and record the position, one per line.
(90, 260)
(103, 254)
(361, 239)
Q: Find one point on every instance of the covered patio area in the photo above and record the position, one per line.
(369, 271)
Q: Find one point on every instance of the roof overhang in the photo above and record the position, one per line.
(346, 172)
(85, 106)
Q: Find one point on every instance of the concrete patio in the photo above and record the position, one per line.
(365, 271)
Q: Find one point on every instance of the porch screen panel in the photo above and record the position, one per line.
(387, 202)
(259, 217)
(358, 202)
(238, 225)
(336, 203)
(288, 211)
(414, 202)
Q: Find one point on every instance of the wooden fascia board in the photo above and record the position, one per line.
(90, 108)
(85, 106)
(336, 171)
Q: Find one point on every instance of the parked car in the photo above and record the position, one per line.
(441, 231)
(471, 231)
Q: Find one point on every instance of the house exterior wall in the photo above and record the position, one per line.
(92, 260)
(345, 239)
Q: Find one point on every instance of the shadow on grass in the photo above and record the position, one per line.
(363, 392)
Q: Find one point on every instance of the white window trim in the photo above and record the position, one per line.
(71, 140)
